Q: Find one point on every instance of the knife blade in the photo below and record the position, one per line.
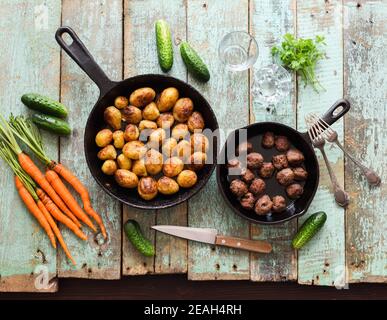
(207, 235)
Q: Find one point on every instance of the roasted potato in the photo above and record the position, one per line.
(109, 167)
(107, 153)
(157, 138)
(131, 132)
(168, 146)
(153, 161)
(167, 99)
(183, 109)
(139, 168)
(147, 124)
(199, 143)
(197, 161)
(121, 102)
(134, 150)
(126, 179)
(150, 112)
(118, 138)
(147, 188)
(195, 122)
(187, 178)
(165, 120)
(167, 186)
(141, 97)
(180, 131)
(182, 150)
(112, 117)
(124, 162)
(131, 114)
(103, 138)
(173, 166)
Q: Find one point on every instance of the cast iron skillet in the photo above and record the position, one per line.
(298, 140)
(111, 89)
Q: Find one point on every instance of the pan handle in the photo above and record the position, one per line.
(79, 53)
(339, 109)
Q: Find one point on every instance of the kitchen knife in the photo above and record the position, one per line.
(211, 236)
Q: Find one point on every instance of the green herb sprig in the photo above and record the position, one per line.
(301, 55)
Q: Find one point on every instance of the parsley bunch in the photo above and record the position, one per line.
(301, 55)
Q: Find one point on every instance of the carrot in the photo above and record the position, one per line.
(66, 196)
(82, 191)
(34, 209)
(56, 230)
(33, 171)
(58, 215)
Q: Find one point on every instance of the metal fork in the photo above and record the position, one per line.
(318, 142)
(331, 136)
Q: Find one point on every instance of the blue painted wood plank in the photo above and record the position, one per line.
(30, 62)
(99, 25)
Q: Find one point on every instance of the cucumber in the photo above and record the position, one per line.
(194, 63)
(309, 228)
(134, 234)
(164, 45)
(44, 104)
(50, 123)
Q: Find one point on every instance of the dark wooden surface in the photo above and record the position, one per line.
(178, 287)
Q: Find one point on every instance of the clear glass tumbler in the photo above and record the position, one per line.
(271, 84)
(238, 51)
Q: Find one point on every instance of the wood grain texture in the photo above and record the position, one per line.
(269, 21)
(141, 57)
(30, 62)
(227, 93)
(99, 25)
(322, 260)
(365, 84)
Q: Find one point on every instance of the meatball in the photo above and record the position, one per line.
(233, 163)
(281, 143)
(300, 174)
(295, 157)
(263, 205)
(238, 188)
(254, 160)
(280, 161)
(245, 148)
(257, 186)
(294, 191)
(234, 167)
(248, 201)
(266, 170)
(285, 176)
(279, 203)
(268, 140)
(247, 175)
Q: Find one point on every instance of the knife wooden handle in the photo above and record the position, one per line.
(243, 244)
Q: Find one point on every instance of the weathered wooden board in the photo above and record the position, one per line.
(322, 260)
(99, 25)
(365, 84)
(269, 21)
(141, 57)
(30, 62)
(227, 93)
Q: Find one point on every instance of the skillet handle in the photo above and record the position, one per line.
(339, 109)
(79, 53)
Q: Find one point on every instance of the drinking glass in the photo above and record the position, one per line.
(238, 51)
(271, 84)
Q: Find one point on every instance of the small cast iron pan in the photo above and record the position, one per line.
(301, 141)
(111, 89)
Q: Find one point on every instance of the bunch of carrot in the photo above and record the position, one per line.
(45, 196)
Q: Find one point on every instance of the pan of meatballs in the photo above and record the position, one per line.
(144, 138)
(268, 172)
